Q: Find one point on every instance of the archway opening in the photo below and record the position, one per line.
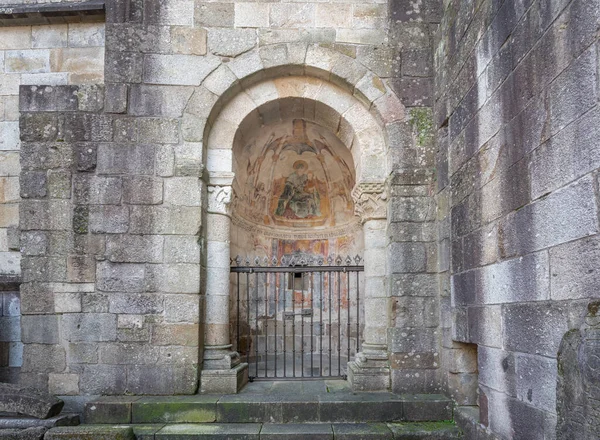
(292, 210)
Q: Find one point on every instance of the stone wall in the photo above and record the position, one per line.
(517, 118)
(53, 55)
(49, 55)
(114, 182)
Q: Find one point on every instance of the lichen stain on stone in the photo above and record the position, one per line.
(378, 84)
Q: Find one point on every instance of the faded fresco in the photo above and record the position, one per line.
(294, 174)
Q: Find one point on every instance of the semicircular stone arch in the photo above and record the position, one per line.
(320, 85)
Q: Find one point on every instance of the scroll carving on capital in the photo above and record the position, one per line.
(370, 200)
(219, 198)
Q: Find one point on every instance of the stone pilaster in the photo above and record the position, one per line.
(370, 371)
(222, 371)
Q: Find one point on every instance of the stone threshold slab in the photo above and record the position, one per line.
(270, 408)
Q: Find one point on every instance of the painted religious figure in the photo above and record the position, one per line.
(300, 198)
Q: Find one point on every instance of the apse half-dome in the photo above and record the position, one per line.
(293, 174)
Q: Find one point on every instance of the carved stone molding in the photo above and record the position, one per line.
(370, 200)
(219, 198)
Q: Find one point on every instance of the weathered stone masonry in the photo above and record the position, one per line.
(117, 256)
(517, 119)
(478, 196)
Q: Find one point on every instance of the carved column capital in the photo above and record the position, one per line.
(219, 199)
(370, 200)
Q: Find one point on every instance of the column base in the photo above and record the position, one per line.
(371, 370)
(224, 381)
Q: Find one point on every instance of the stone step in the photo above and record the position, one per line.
(270, 408)
(266, 431)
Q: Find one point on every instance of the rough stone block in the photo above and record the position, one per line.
(284, 15)
(175, 334)
(135, 248)
(142, 190)
(43, 358)
(162, 379)
(185, 191)
(537, 328)
(178, 69)
(485, 325)
(84, 432)
(127, 354)
(103, 379)
(39, 329)
(109, 409)
(97, 190)
(124, 67)
(158, 130)
(408, 340)
(136, 303)
(214, 14)
(573, 270)
(252, 15)
(112, 219)
(174, 278)
(174, 12)
(63, 384)
(182, 308)
(89, 327)
(182, 249)
(541, 224)
(120, 277)
(28, 402)
(114, 159)
(33, 184)
(179, 220)
(85, 127)
(408, 257)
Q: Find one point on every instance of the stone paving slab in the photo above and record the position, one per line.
(109, 409)
(146, 432)
(91, 432)
(226, 431)
(425, 431)
(361, 431)
(294, 431)
(180, 409)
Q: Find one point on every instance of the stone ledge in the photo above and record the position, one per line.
(52, 13)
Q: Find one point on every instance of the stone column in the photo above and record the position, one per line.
(370, 371)
(222, 370)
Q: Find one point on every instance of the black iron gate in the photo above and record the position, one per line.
(297, 318)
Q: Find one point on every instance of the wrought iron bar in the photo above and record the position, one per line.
(256, 320)
(302, 330)
(297, 280)
(329, 276)
(248, 317)
(321, 326)
(312, 333)
(357, 313)
(293, 330)
(348, 329)
(284, 332)
(339, 316)
(237, 332)
(266, 324)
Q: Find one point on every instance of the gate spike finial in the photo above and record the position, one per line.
(329, 260)
(274, 261)
(348, 260)
(338, 260)
(357, 259)
(257, 261)
(238, 260)
(320, 261)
